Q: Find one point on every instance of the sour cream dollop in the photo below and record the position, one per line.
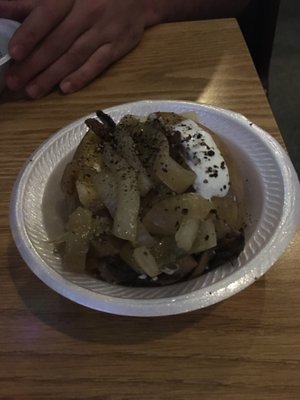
(204, 158)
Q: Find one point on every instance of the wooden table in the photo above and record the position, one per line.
(247, 347)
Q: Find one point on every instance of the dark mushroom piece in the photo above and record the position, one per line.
(112, 270)
(228, 249)
(106, 120)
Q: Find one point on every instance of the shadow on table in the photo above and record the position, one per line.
(8, 96)
(89, 325)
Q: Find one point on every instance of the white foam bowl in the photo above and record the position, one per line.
(7, 29)
(273, 195)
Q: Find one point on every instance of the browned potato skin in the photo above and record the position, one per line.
(169, 118)
(87, 155)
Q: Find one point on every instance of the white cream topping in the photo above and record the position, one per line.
(205, 159)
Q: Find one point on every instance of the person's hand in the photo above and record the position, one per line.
(17, 10)
(70, 42)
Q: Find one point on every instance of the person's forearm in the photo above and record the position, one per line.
(158, 11)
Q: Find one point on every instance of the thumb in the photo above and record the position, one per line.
(17, 10)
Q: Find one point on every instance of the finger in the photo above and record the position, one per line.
(36, 26)
(16, 10)
(69, 62)
(50, 50)
(94, 66)
(101, 59)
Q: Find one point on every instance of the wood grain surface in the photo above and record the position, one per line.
(247, 347)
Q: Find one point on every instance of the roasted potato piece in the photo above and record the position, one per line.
(87, 155)
(166, 251)
(107, 245)
(77, 239)
(69, 177)
(107, 189)
(126, 147)
(143, 237)
(146, 261)
(187, 232)
(206, 237)
(172, 174)
(164, 217)
(127, 256)
(128, 197)
(86, 189)
(126, 216)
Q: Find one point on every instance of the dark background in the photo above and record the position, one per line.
(284, 77)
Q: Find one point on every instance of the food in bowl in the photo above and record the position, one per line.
(153, 201)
